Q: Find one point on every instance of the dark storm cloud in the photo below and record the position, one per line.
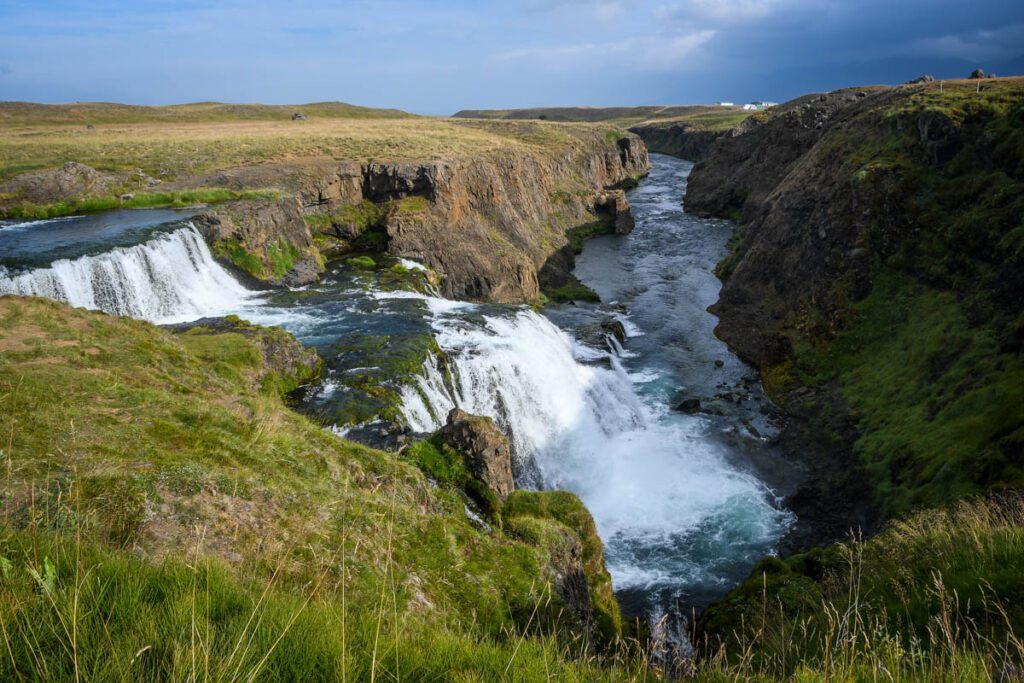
(436, 57)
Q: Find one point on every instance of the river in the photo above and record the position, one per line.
(685, 503)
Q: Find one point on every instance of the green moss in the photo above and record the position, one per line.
(411, 205)
(277, 260)
(362, 262)
(235, 252)
(580, 234)
(137, 201)
(443, 464)
(282, 256)
(937, 400)
(128, 436)
(573, 290)
(568, 510)
(374, 368)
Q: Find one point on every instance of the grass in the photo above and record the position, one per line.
(939, 401)
(573, 290)
(935, 597)
(166, 517)
(928, 361)
(711, 117)
(580, 234)
(209, 195)
(172, 149)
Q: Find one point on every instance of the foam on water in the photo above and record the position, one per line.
(170, 278)
(657, 487)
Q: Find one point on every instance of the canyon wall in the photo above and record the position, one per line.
(876, 278)
(678, 139)
(488, 225)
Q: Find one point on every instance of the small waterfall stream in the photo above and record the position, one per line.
(171, 277)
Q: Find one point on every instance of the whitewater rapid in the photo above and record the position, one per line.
(172, 277)
(680, 514)
(651, 478)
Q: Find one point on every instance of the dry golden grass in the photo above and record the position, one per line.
(168, 150)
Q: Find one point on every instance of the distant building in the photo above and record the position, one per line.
(758, 106)
(725, 104)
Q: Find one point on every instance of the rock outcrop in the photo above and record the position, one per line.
(271, 231)
(683, 140)
(69, 181)
(869, 229)
(483, 447)
(487, 225)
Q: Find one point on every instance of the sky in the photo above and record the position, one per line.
(441, 56)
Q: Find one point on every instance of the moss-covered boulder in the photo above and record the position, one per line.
(286, 365)
(560, 524)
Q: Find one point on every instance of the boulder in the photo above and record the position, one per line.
(688, 406)
(483, 447)
(614, 204)
(927, 78)
(978, 73)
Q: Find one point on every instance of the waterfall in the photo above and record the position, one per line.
(171, 277)
(664, 497)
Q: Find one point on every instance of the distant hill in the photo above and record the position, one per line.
(625, 116)
(30, 113)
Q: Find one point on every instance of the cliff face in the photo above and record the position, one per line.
(486, 224)
(681, 140)
(876, 278)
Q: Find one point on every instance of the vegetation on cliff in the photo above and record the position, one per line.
(166, 517)
(937, 596)
(901, 291)
(876, 280)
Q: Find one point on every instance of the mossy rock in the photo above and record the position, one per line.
(529, 514)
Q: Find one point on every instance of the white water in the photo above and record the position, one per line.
(172, 277)
(653, 481)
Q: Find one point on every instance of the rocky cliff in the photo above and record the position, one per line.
(487, 225)
(679, 139)
(876, 278)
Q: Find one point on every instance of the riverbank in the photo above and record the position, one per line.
(487, 205)
(866, 250)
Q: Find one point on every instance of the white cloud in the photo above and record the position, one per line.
(719, 12)
(641, 52)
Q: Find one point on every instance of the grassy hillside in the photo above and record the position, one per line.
(930, 361)
(937, 597)
(708, 117)
(877, 279)
(92, 113)
(166, 517)
(170, 147)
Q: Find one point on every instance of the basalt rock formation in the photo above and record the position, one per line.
(874, 279)
(486, 225)
(483, 447)
(272, 232)
(683, 140)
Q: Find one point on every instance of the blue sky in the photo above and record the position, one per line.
(441, 56)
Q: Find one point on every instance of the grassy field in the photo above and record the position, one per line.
(166, 517)
(166, 148)
(710, 117)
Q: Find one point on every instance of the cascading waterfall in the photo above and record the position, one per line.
(171, 277)
(655, 485)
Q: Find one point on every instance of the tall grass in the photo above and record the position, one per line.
(937, 597)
